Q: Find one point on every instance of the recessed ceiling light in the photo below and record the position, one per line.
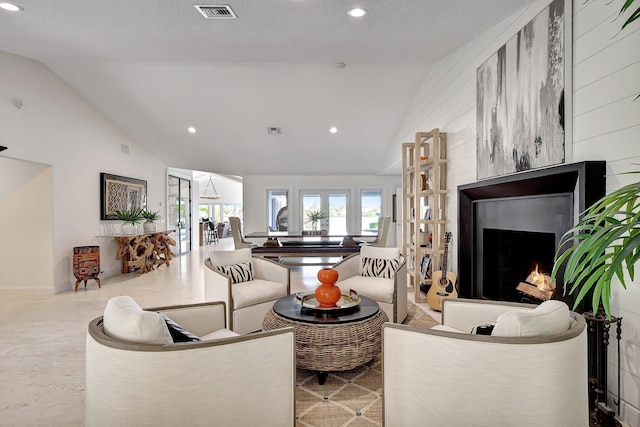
(357, 12)
(10, 7)
(333, 129)
(191, 129)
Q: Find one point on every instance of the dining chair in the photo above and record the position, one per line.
(383, 232)
(236, 231)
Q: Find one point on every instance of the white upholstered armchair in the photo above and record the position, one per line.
(136, 374)
(389, 291)
(533, 375)
(248, 295)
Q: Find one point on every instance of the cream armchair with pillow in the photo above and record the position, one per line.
(379, 274)
(531, 372)
(248, 285)
(137, 373)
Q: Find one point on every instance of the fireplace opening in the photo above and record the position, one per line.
(522, 231)
(510, 256)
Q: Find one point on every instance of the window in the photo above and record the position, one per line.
(217, 212)
(205, 212)
(371, 209)
(229, 211)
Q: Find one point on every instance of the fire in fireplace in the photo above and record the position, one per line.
(538, 286)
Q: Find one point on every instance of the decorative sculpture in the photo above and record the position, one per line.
(86, 264)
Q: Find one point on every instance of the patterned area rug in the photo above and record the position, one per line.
(350, 398)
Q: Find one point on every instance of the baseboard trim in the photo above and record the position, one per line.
(26, 291)
(628, 413)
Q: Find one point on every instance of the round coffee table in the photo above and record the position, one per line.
(328, 342)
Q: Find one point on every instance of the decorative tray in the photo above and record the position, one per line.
(347, 301)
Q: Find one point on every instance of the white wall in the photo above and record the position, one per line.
(58, 128)
(606, 78)
(256, 186)
(25, 210)
(229, 190)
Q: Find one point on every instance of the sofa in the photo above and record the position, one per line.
(532, 370)
(141, 371)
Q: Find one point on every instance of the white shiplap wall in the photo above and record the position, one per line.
(606, 126)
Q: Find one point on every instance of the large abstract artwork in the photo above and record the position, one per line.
(520, 99)
(118, 193)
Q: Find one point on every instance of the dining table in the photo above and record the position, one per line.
(307, 237)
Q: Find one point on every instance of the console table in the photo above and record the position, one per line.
(144, 252)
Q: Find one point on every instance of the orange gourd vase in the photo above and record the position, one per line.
(328, 294)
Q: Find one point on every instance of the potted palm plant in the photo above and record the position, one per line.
(130, 217)
(603, 245)
(151, 217)
(315, 215)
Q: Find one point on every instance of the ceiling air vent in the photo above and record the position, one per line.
(216, 11)
(274, 130)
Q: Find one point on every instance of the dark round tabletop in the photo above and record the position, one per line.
(288, 308)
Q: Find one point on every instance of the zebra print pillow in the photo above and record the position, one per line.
(242, 272)
(379, 267)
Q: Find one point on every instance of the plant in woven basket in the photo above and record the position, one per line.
(603, 244)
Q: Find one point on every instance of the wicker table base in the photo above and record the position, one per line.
(333, 347)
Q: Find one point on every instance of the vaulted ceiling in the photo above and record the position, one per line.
(157, 67)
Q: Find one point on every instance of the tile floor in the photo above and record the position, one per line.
(42, 337)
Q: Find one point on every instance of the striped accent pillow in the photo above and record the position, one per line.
(380, 267)
(178, 333)
(242, 272)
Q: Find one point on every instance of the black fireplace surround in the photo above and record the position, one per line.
(510, 224)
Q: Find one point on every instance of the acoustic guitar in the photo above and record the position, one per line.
(443, 283)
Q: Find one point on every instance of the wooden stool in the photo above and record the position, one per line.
(86, 264)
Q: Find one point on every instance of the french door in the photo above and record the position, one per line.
(180, 212)
(334, 203)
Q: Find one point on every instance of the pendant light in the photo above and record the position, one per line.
(210, 193)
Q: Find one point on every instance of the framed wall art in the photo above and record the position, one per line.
(523, 98)
(424, 268)
(120, 193)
